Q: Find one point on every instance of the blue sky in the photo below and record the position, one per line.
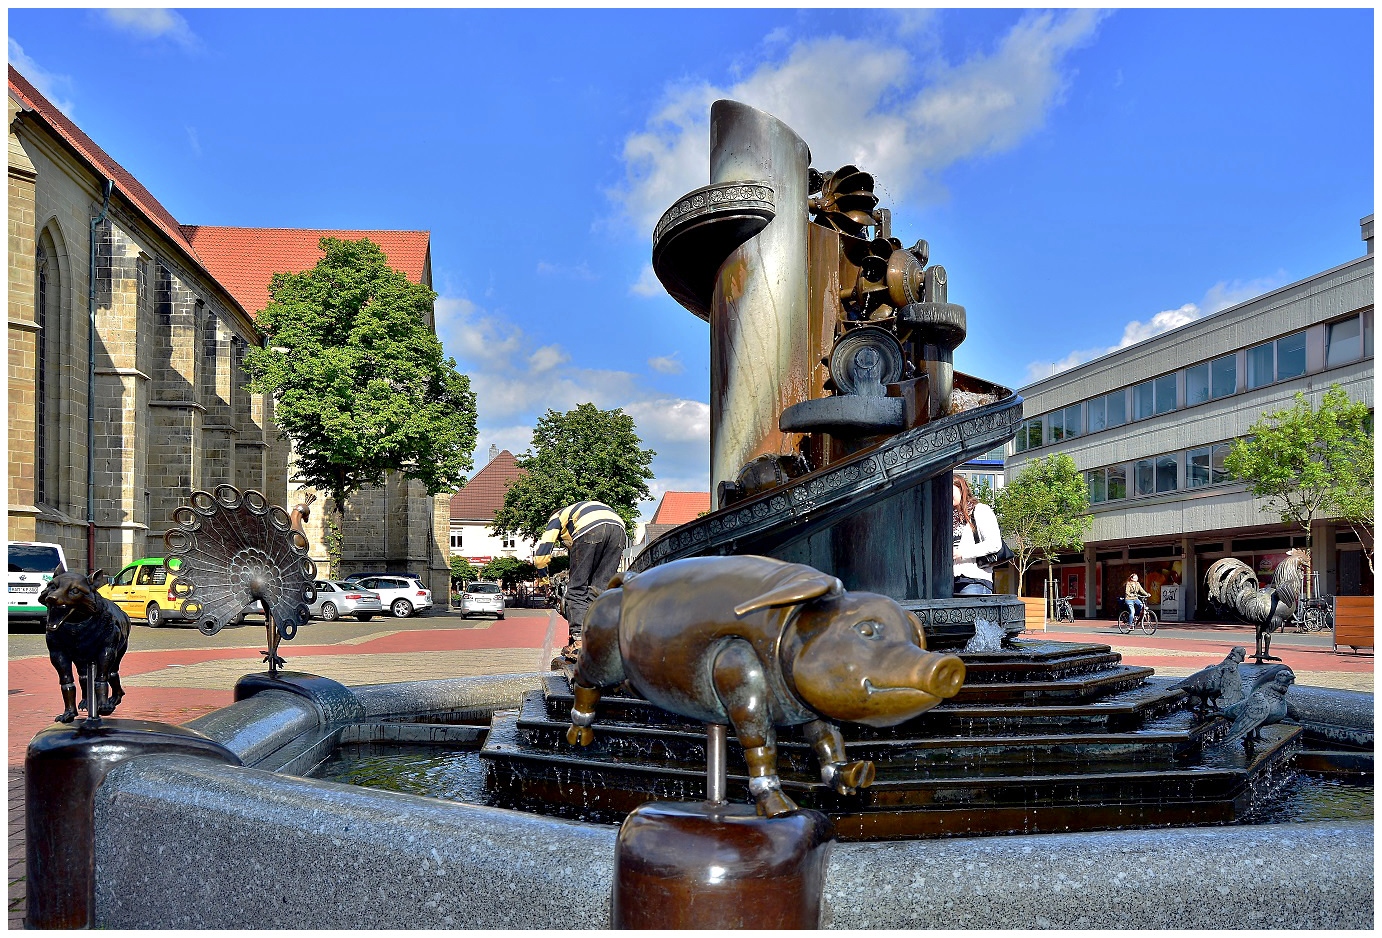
(1087, 178)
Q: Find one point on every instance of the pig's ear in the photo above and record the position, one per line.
(790, 594)
(917, 631)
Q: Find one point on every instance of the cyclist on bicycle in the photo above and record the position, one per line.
(1133, 594)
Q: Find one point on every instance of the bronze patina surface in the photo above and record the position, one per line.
(756, 643)
(87, 631)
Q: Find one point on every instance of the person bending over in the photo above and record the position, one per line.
(594, 537)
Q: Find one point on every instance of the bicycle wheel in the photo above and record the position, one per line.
(1148, 623)
(1124, 624)
(1314, 618)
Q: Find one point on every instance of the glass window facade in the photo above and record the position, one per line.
(1217, 473)
(1144, 477)
(1290, 356)
(1197, 468)
(1261, 365)
(1116, 405)
(1095, 412)
(1166, 480)
(1344, 341)
(1197, 384)
(1072, 421)
(1117, 482)
(1165, 393)
(1223, 376)
(1144, 400)
(1098, 489)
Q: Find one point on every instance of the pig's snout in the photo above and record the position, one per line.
(939, 675)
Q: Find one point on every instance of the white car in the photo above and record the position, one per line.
(482, 597)
(345, 599)
(31, 567)
(401, 595)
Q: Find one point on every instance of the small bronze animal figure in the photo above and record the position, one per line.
(759, 475)
(1218, 685)
(89, 631)
(757, 643)
(1264, 706)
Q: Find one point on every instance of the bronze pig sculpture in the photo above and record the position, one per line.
(756, 643)
(87, 630)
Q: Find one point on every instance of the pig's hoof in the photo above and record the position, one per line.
(580, 736)
(67, 716)
(773, 802)
(854, 776)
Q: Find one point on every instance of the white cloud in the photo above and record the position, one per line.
(56, 88)
(673, 421)
(667, 364)
(867, 102)
(1218, 297)
(151, 23)
(547, 358)
(647, 283)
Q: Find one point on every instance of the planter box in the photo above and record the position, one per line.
(1353, 622)
(1035, 613)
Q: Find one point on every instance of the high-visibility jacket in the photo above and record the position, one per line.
(570, 523)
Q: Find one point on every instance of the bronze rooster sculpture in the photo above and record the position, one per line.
(1233, 586)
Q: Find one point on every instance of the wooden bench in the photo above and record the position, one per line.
(1353, 622)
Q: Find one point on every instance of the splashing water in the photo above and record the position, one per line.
(987, 637)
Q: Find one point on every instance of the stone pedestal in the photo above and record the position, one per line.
(700, 865)
(63, 768)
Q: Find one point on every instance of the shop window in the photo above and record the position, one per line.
(1197, 384)
(1143, 400)
(1344, 341)
(1165, 393)
(1223, 376)
(1166, 473)
(1261, 365)
(1290, 356)
(1144, 477)
(1095, 414)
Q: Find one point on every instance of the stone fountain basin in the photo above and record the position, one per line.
(184, 842)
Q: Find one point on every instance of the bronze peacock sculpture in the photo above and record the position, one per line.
(1233, 586)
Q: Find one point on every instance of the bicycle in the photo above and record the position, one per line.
(1064, 611)
(1147, 622)
(1313, 615)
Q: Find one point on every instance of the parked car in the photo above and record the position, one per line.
(31, 567)
(339, 598)
(145, 591)
(357, 577)
(478, 597)
(402, 595)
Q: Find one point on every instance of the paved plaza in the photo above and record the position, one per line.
(177, 674)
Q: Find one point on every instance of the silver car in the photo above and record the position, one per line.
(482, 598)
(336, 599)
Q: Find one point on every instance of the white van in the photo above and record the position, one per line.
(31, 567)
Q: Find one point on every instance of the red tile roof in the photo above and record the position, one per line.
(681, 507)
(101, 161)
(244, 259)
(483, 495)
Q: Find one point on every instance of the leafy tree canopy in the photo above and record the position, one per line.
(462, 569)
(510, 571)
(1044, 510)
(585, 453)
(1305, 462)
(360, 383)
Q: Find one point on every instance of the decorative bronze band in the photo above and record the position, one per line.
(715, 199)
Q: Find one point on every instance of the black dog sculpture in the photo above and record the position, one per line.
(87, 630)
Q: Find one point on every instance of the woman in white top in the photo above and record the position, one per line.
(971, 516)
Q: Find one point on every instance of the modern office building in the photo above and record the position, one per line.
(1150, 425)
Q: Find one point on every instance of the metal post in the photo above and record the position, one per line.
(93, 709)
(715, 763)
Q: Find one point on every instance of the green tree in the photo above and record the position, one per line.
(1300, 460)
(360, 383)
(1043, 511)
(462, 569)
(510, 571)
(1352, 495)
(585, 453)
